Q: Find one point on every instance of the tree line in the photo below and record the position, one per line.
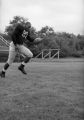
(70, 45)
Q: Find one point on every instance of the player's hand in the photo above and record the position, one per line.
(43, 34)
(38, 40)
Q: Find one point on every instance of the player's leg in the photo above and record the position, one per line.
(28, 55)
(10, 60)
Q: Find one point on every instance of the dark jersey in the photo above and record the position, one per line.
(20, 34)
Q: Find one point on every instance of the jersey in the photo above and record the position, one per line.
(20, 34)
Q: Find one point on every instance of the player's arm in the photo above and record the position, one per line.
(35, 39)
(39, 39)
(30, 37)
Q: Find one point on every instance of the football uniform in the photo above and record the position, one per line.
(19, 36)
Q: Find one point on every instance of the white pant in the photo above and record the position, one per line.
(13, 50)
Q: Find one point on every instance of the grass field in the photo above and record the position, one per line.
(50, 91)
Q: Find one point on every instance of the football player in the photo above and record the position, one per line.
(19, 35)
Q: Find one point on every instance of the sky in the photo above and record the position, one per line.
(61, 15)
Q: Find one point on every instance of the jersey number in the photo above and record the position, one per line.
(25, 34)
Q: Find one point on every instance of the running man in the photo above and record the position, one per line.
(20, 34)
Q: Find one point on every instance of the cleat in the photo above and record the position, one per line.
(22, 70)
(2, 74)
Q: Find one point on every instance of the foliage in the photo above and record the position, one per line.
(70, 45)
(17, 19)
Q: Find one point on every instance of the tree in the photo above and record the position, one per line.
(69, 44)
(17, 19)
